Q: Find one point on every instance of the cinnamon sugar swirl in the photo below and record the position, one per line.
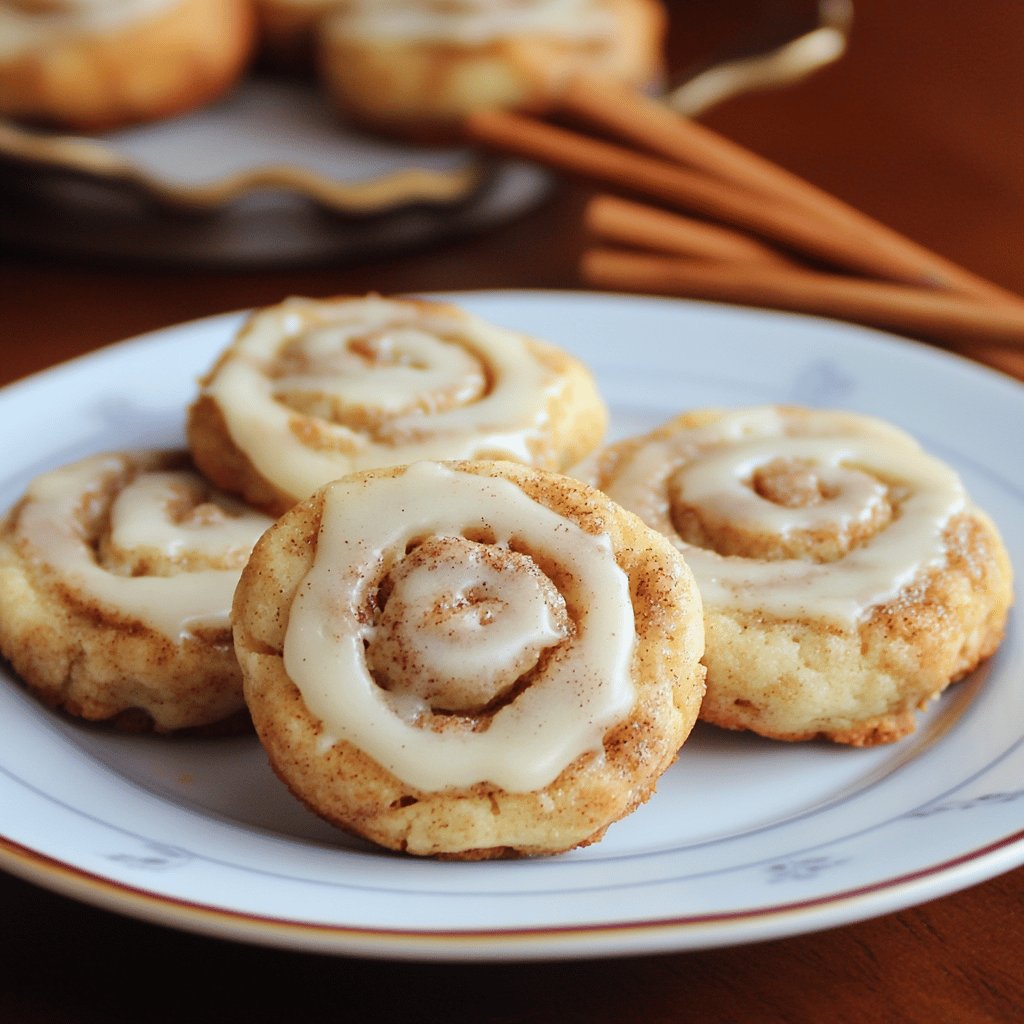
(468, 659)
(116, 579)
(847, 578)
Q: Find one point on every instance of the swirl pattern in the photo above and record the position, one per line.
(466, 635)
(802, 525)
(313, 390)
(462, 623)
(118, 575)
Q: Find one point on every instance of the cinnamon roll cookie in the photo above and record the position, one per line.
(100, 64)
(311, 390)
(116, 579)
(415, 68)
(468, 659)
(847, 578)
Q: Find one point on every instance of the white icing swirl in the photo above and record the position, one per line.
(861, 490)
(141, 541)
(464, 621)
(401, 382)
(472, 22)
(34, 24)
(560, 685)
(350, 375)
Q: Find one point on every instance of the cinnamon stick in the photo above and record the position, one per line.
(929, 315)
(613, 219)
(644, 121)
(680, 188)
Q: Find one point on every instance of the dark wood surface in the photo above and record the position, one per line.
(919, 124)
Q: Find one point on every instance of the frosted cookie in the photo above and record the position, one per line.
(95, 65)
(468, 660)
(415, 68)
(847, 578)
(311, 390)
(116, 580)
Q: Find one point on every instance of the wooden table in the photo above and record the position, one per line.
(920, 125)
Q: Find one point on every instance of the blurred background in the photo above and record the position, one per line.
(917, 121)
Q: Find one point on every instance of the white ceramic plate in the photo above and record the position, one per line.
(744, 840)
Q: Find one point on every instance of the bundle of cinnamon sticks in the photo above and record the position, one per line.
(690, 213)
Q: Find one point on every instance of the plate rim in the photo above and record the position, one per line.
(521, 944)
(857, 333)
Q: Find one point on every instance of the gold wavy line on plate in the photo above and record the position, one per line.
(409, 186)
